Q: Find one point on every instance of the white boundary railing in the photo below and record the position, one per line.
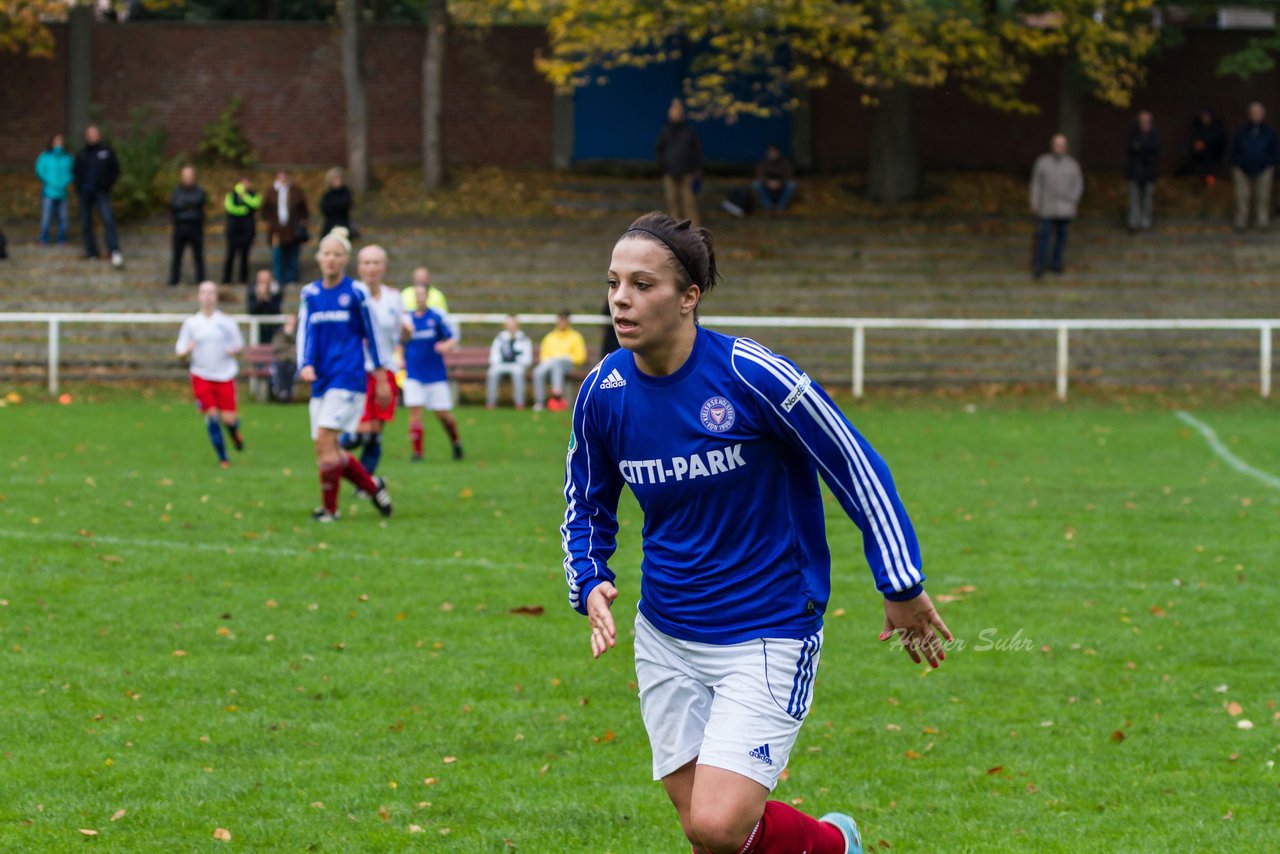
(857, 327)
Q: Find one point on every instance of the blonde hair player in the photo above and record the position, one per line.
(334, 328)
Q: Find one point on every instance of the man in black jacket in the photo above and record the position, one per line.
(679, 155)
(95, 172)
(1254, 152)
(186, 212)
(1140, 170)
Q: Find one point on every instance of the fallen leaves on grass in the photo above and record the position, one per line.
(222, 834)
(528, 610)
(1117, 736)
(117, 815)
(1234, 709)
(87, 832)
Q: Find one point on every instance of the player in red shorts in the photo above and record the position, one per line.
(211, 341)
(386, 310)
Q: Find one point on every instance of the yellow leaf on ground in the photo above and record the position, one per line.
(222, 834)
(117, 815)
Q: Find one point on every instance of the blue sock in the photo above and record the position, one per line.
(350, 441)
(372, 452)
(215, 436)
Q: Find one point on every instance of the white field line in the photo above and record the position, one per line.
(1221, 450)
(239, 549)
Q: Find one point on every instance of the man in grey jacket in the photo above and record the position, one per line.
(1056, 187)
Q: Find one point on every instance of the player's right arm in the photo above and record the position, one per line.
(306, 344)
(186, 343)
(591, 490)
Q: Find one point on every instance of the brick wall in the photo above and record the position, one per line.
(289, 76)
(498, 110)
(957, 134)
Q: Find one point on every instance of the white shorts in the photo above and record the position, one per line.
(736, 706)
(338, 410)
(437, 397)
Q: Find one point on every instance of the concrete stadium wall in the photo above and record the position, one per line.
(499, 111)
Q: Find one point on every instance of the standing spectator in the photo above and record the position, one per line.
(775, 182)
(265, 298)
(1141, 170)
(435, 297)
(1254, 152)
(562, 348)
(53, 168)
(96, 171)
(679, 155)
(1207, 144)
(336, 203)
(284, 360)
(241, 205)
(1056, 187)
(510, 355)
(186, 212)
(285, 208)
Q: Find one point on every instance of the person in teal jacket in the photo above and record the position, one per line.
(53, 168)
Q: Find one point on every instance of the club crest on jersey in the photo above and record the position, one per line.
(717, 414)
(344, 300)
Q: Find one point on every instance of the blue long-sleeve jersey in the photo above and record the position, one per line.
(334, 327)
(723, 457)
(421, 361)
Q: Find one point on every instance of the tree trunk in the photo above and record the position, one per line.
(1070, 107)
(433, 94)
(357, 112)
(894, 168)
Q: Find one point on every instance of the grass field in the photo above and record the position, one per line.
(180, 647)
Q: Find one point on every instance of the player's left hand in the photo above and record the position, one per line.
(918, 626)
(599, 611)
(382, 391)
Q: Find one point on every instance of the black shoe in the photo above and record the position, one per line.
(324, 516)
(237, 441)
(382, 498)
(457, 451)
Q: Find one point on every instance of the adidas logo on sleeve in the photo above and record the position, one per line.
(614, 380)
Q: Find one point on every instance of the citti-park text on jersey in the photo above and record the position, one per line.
(683, 468)
(331, 317)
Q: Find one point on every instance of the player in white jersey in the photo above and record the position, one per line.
(211, 341)
(386, 310)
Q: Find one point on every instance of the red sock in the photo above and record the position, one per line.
(450, 427)
(415, 436)
(330, 479)
(354, 472)
(784, 830)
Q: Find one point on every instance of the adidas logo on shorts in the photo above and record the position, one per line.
(761, 753)
(614, 380)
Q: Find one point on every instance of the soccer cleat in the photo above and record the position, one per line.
(382, 498)
(457, 451)
(224, 464)
(324, 516)
(237, 441)
(848, 829)
(117, 259)
(416, 458)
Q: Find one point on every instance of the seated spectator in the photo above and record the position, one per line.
(265, 297)
(510, 355)
(775, 182)
(284, 360)
(562, 348)
(1206, 147)
(336, 203)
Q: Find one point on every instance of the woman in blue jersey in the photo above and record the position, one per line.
(334, 328)
(722, 442)
(427, 336)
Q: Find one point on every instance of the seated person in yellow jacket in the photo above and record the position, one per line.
(562, 348)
